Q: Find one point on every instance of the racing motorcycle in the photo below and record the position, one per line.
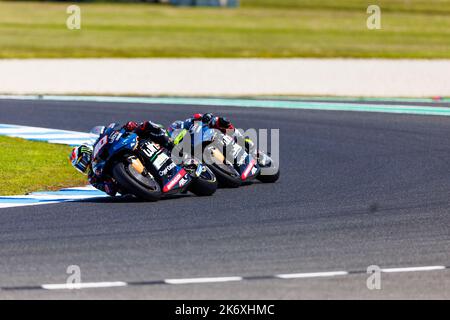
(145, 169)
(232, 163)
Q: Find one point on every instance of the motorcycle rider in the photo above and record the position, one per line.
(81, 157)
(214, 122)
(211, 120)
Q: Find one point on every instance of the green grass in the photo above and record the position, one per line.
(27, 166)
(260, 28)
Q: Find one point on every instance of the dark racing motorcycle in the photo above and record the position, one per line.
(145, 169)
(232, 163)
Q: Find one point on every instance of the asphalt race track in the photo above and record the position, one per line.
(357, 189)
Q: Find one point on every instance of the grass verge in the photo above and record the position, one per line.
(260, 28)
(27, 166)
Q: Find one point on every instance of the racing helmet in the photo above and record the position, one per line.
(81, 158)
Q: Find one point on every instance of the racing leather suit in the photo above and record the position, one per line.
(146, 130)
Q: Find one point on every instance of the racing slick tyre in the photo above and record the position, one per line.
(225, 177)
(144, 187)
(205, 185)
(225, 173)
(269, 178)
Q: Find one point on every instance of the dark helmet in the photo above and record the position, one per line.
(81, 158)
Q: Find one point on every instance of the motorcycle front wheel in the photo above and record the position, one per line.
(268, 178)
(205, 185)
(133, 182)
(226, 174)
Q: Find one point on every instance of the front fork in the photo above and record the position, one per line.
(193, 166)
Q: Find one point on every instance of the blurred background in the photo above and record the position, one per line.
(246, 28)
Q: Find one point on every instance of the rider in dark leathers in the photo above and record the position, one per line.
(213, 121)
(81, 157)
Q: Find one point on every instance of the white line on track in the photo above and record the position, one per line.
(311, 275)
(48, 197)
(202, 280)
(413, 269)
(86, 285)
(89, 285)
(13, 205)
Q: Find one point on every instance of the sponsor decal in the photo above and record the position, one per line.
(160, 161)
(247, 170)
(167, 169)
(115, 136)
(150, 149)
(174, 181)
(180, 137)
(183, 182)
